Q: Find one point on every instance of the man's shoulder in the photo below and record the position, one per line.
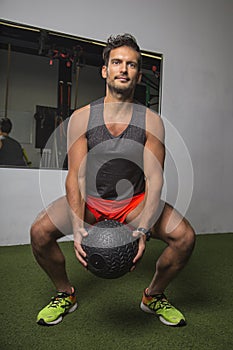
(86, 109)
(11, 141)
(81, 109)
(154, 124)
(97, 102)
(153, 116)
(78, 121)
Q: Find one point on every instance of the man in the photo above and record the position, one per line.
(118, 131)
(11, 152)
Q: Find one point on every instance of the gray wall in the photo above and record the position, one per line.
(195, 38)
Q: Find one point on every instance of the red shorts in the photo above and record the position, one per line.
(112, 209)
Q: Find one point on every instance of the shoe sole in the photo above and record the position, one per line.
(42, 322)
(145, 308)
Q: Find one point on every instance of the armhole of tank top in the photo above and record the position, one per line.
(139, 116)
(91, 124)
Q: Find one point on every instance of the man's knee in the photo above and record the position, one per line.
(184, 237)
(39, 237)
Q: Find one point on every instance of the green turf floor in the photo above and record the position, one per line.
(108, 316)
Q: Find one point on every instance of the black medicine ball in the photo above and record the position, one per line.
(110, 249)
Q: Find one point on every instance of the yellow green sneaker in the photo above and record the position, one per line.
(160, 306)
(60, 305)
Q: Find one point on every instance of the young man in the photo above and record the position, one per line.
(11, 152)
(116, 156)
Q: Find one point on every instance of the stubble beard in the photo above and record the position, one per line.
(125, 91)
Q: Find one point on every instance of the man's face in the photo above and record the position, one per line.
(122, 73)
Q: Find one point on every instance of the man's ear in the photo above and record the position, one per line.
(139, 77)
(104, 72)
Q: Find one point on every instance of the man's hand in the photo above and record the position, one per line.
(80, 253)
(141, 248)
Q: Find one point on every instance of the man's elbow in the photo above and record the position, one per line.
(156, 181)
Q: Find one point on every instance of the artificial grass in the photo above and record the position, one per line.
(108, 316)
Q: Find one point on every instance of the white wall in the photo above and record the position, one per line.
(195, 38)
(24, 192)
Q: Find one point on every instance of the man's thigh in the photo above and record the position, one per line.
(169, 225)
(166, 220)
(134, 217)
(55, 219)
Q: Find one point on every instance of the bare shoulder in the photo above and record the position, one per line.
(154, 124)
(80, 115)
(79, 119)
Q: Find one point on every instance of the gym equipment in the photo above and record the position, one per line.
(7, 79)
(110, 249)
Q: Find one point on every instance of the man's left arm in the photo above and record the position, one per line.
(154, 155)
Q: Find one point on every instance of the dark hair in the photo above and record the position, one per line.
(5, 125)
(115, 41)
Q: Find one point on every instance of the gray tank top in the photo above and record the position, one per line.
(115, 164)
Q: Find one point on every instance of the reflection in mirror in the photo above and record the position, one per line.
(46, 75)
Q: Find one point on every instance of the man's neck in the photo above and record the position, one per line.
(117, 97)
(3, 133)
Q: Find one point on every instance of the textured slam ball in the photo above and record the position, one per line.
(110, 249)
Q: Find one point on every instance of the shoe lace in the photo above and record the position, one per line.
(57, 300)
(160, 302)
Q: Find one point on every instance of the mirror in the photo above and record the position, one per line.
(46, 75)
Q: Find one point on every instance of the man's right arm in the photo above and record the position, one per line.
(75, 181)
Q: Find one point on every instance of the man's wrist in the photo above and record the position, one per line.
(145, 232)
